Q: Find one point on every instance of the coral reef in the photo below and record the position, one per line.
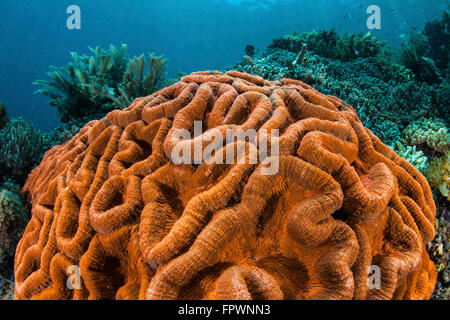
(13, 219)
(413, 56)
(4, 118)
(6, 289)
(385, 95)
(430, 135)
(330, 44)
(112, 202)
(21, 148)
(427, 53)
(432, 132)
(91, 86)
(61, 134)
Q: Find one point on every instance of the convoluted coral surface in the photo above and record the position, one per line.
(112, 202)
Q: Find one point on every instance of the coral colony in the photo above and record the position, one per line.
(317, 168)
(111, 201)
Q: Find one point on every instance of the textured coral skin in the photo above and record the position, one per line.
(140, 227)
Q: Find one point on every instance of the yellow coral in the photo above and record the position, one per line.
(438, 174)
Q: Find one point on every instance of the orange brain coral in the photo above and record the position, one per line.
(111, 202)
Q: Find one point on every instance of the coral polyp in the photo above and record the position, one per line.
(112, 202)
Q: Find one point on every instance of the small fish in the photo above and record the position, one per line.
(348, 16)
(392, 9)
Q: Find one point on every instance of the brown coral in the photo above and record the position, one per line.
(139, 226)
(432, 132)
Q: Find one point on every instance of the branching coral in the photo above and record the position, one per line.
(91, 86)
(113, 202)
(13, 219)
(21, 148)
(410, 154)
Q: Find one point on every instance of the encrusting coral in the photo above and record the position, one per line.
(113, 202)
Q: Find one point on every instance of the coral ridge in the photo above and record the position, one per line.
(139, 226)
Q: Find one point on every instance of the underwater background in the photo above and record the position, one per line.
(396, 77)
(194, 34)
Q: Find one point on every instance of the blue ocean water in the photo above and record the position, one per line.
(193, 34)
